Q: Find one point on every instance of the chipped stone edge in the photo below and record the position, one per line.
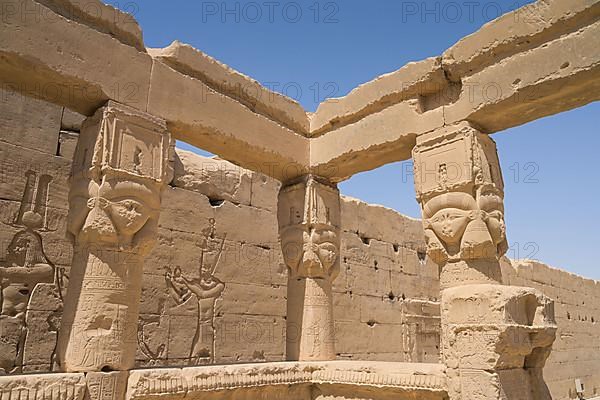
(181, 382)
(101, 17)
(218, 76)
(449, 68)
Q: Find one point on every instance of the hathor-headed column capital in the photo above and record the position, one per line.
(459, 185)
(124, 158)
(309, 226)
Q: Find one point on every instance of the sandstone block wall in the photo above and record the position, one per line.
(35, 156)
(221, 220)
(576, 351)
(386, 302)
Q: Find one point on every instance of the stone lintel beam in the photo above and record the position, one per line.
(76, 64)
(520, 30)
(372, 142)
(524, 29)
(557, 76)
(224, 79)
(554, 77)
(415, 79)
(207, 119)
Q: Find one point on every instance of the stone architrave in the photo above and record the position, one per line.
(122, 163)
(495, 339)
(309, 227)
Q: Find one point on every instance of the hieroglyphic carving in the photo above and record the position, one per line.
(43, 387)
(122, 163)
(460, 188)
(106, 385)
(27, 267)
(309, 227)
(207, 288)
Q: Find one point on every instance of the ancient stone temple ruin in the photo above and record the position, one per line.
(133, 270)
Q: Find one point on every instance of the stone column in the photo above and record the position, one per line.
(309, 228)
(495, 338)
(122, 163)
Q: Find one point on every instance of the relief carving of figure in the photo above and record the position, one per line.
(207, 289)
(26, 266)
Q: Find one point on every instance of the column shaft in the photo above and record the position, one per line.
(495, 339)
(121, 164)
(309, 226)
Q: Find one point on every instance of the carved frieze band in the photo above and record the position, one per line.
(186, 381)
(43, 387)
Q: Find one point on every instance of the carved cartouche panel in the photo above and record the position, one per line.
(460, 188)
(309, 226)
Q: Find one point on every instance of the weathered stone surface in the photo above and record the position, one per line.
(67, 143)
(217, 179)
(102, 17)
(510, 92)
(203, 117)
(223, 381)
(412, 81)
(106, 385)
(391, 136)
(48, 56)
(221, 78)
(71, 120)
(46, 386)
(574, 352)
(523, 29)
(29, 123)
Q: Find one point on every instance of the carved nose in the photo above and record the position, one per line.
(99, 227)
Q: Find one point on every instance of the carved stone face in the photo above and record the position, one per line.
(110, 213)
(309, 217)
(491, 203)
(449, 224)
(311, 252)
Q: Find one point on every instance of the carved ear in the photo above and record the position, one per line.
(477, 241)
(144, 240)
(435, 249)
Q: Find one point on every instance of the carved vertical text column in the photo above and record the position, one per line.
(121, 165)
(495, 338)
(309, 227)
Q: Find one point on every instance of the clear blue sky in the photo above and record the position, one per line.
(312, 50)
